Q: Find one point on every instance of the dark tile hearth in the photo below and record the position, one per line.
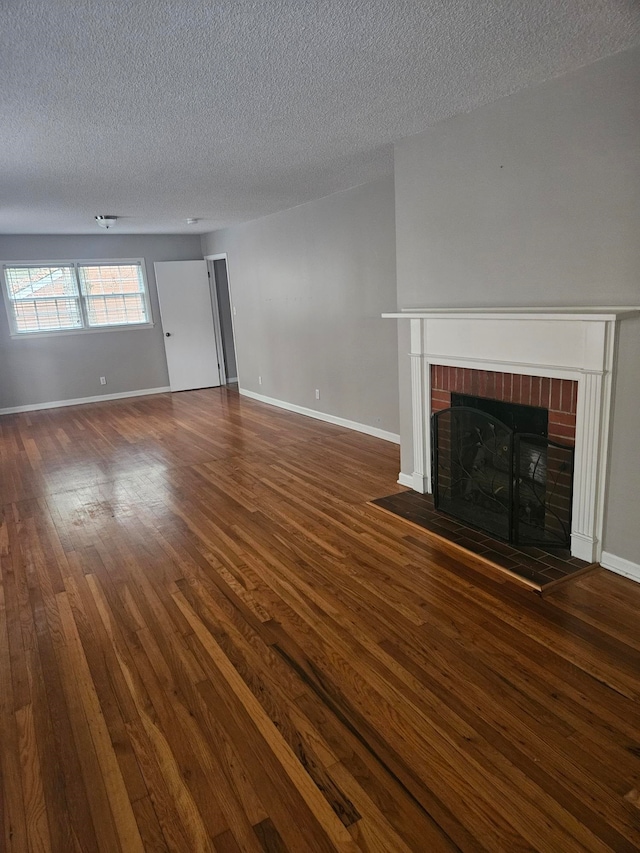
(539, 569)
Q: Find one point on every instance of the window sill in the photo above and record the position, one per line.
(28, 336)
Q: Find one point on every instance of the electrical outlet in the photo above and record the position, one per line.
(259, 380)
(103, 380)
(317, 393)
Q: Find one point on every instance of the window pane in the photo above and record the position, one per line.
(45, 315)
(109, 279)
(116, 310)
(40, 282)
(63, 297)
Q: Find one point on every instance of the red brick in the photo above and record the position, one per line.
(567, 395)
(498, 385)
(556, 395)
(487, 383)
(507, 393)
(441, 397)
(564, 490)
(574, 397)
(516, 391)
(475, 383)
(525, 394)
(545, 392)
(561, 432)
(535, 390)
(564, 418)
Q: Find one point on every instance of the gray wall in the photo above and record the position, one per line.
(309, 285)
(535, 200)
(65, 367)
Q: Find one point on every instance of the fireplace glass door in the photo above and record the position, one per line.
(514, 486)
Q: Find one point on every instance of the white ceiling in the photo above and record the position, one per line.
(230, 110)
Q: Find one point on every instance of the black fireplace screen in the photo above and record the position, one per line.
(515, 486)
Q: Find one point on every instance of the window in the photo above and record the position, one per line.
(79, 296)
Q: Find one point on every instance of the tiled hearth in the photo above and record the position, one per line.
(538, 569)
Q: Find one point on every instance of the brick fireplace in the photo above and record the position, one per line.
(519, 492)
(558, 396)
(561, 359)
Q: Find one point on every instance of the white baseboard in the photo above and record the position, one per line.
(620, 566)
(322, 416)
(78, 401)
(405, 479)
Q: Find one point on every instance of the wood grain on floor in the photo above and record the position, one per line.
(209, 642)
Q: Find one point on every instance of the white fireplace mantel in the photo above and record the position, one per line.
(565, 343)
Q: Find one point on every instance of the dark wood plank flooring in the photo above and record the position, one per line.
(209, 642)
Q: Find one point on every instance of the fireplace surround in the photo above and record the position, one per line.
(573, 345)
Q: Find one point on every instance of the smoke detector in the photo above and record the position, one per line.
(106, 221)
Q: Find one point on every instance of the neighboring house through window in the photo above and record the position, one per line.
(75, 296)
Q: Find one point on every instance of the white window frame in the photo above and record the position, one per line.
(86, 329)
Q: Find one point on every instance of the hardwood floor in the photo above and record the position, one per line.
(209, 642)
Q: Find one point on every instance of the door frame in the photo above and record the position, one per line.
(205, 305)
(222, 256)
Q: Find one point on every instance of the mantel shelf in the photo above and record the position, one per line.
(607, 313)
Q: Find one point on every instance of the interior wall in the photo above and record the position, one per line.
(35, 370)
(309, 285)
(535, 200)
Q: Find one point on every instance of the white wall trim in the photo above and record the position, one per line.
(78, 401)
(620, 566)
(405, 479)
(223, 256)
(322, 416)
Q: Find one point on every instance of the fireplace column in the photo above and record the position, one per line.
(594, 404)
(421, 404)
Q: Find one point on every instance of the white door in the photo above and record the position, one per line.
(187, 323)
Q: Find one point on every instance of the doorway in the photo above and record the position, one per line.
(219, 277)
(188, 325)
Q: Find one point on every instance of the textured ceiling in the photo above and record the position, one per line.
(227, 111)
